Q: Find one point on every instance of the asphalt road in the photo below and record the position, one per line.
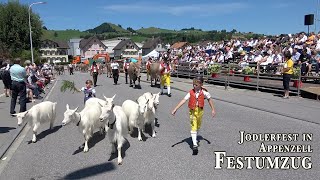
(57, 154)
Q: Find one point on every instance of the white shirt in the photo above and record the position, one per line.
(257, 58)
(277, 58)
(95, 69)
(114, 65)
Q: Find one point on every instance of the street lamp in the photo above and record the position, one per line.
(30, 27)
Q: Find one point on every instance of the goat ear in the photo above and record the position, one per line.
(24, 113)
(76, 109)
(105, 97)
(113, 96)
(67, 106)
(100, 104)
(147, 101)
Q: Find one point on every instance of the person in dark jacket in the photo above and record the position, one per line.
(6, 78)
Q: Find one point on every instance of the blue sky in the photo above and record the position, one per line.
(260, 16)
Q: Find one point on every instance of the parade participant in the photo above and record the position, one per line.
(125, 68)
(196, 98)
(94, 73)
(70, 69)
(18, 86)
(148, 65)
(165, 69)
(88, 91)
(115, 71)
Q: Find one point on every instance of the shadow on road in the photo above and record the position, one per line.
(97, 137)
(134, 134)
(5, 129)
(189, 141)
(125, 147)
(156, 123)
(90, 171)
(45, 133)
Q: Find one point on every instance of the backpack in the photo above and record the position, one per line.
(1, 73)
(4, 72)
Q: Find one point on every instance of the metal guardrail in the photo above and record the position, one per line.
(228, 76)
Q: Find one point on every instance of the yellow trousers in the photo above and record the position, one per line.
(195, 118)
(165, 79)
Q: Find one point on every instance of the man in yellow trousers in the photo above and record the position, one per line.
(165, 69)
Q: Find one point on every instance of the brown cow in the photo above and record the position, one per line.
(134, 74)
(154, 72)
(109, 70)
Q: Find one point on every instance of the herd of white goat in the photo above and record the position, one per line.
(99, 114)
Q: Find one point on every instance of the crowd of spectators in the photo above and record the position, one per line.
(36, 80)
(267, 52)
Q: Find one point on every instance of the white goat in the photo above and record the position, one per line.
(117, 127)
(38, 114)
(149, 115)
(87, 120)
(155, 98)
(134, 113)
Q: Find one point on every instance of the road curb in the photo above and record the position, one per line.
(6, 146)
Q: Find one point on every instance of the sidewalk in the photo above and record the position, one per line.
(9, 129)
(295, 107)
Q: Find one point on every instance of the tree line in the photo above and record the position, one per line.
(14, 31)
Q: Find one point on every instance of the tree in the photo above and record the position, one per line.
(119, 25)
(55, 34)
(14, 27)
(131, 30)
(45, 28)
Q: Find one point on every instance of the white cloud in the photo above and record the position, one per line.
(178, 10)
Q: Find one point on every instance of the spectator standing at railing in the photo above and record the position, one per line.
(287, 73)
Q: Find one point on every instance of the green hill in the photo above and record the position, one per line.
(118, 29)
(154, 30)
(107, 28)
(62, 34)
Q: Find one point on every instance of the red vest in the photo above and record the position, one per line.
(193, 100)
(164, 67)
(94, 67)
(126, 65)
(148, 64)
